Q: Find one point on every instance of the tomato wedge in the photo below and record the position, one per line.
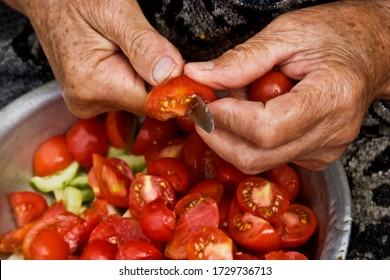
(262, 198)
(296, 225)
(285, 255)
(286, 177)
(138, 250)
(252, 232)
(27, 206)
(210, 244)
(209, 187)
(120, 128)
(193, 212)
(170, 99)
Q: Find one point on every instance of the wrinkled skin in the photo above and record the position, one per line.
(101, 54)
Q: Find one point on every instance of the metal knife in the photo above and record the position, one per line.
(200, 114)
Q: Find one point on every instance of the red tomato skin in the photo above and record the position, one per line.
(186, 124)
(252, 232)
(138, 250)
(170, 99)
(12, 241)
(269, 86)
(153, 132)
(285, 255)
(272, 202)
(48, 244)
(85, 138)
(52, 156)
(209, 187)
(174, 170)
(229, 175)
(27, 206)
(286, 177)
(99, 250)
(157, 221)
(296, 226)
(120, 128)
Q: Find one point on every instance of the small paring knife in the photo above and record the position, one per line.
(200, 114)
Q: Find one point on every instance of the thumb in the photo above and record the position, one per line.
(152, 56)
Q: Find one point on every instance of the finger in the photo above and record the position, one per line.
(153, 57)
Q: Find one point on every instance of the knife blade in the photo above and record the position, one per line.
(200, 114)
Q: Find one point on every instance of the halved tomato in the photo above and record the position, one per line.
(113, 178)
(251, 231)
(27, 206)
(120, 128)
(262, 198)
(210, 244)
(174, 170)
(146, 188)
(170, 99)
(49, 244)
(193, 212)
(99, 250)
(296, 225)
(286, 177)
(170, 148)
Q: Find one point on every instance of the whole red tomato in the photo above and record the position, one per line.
(269, 86)
(87, 137)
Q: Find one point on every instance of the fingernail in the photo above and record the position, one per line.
(163, 69)
(207, 65)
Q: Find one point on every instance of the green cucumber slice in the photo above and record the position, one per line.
(73, 200)
(136, 163)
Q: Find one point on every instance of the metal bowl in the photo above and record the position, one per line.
(41, 113)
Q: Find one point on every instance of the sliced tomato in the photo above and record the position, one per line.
(120, 128)
(193, 212)
(153, 132)
(286, 177)
(296, 225)
(11, 242)
(270, 85)
(138, 250)
(210, 244)
(174, 170)
(252, 232)
(87, 137)
(170, 99)
(52, 156)
(113, 178)
(66, 224)
(146, 188)
(99, 250)
(27, 206)
(117, 230)
(262, 198)
(49, 244)
(157, 221)
(209, 187)
(285, 255)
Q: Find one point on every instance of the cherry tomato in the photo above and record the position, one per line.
(174, 170)
(113, 178)
(146, 188)
(170, 99)
(27, 206)
(210, 244)
(269, 86)
(296, 225)
(230, 176)
(117, 230)
(193, 212)
(252, 232)
(120, 128)
(171, 148)
(286, 177)
(87, 137)
(285, 255)
(153, 132)
(99, 250)
(157, 221)
(262, 198)
(52, 156)
(209, 187)
(48, 244)
(138, 250)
